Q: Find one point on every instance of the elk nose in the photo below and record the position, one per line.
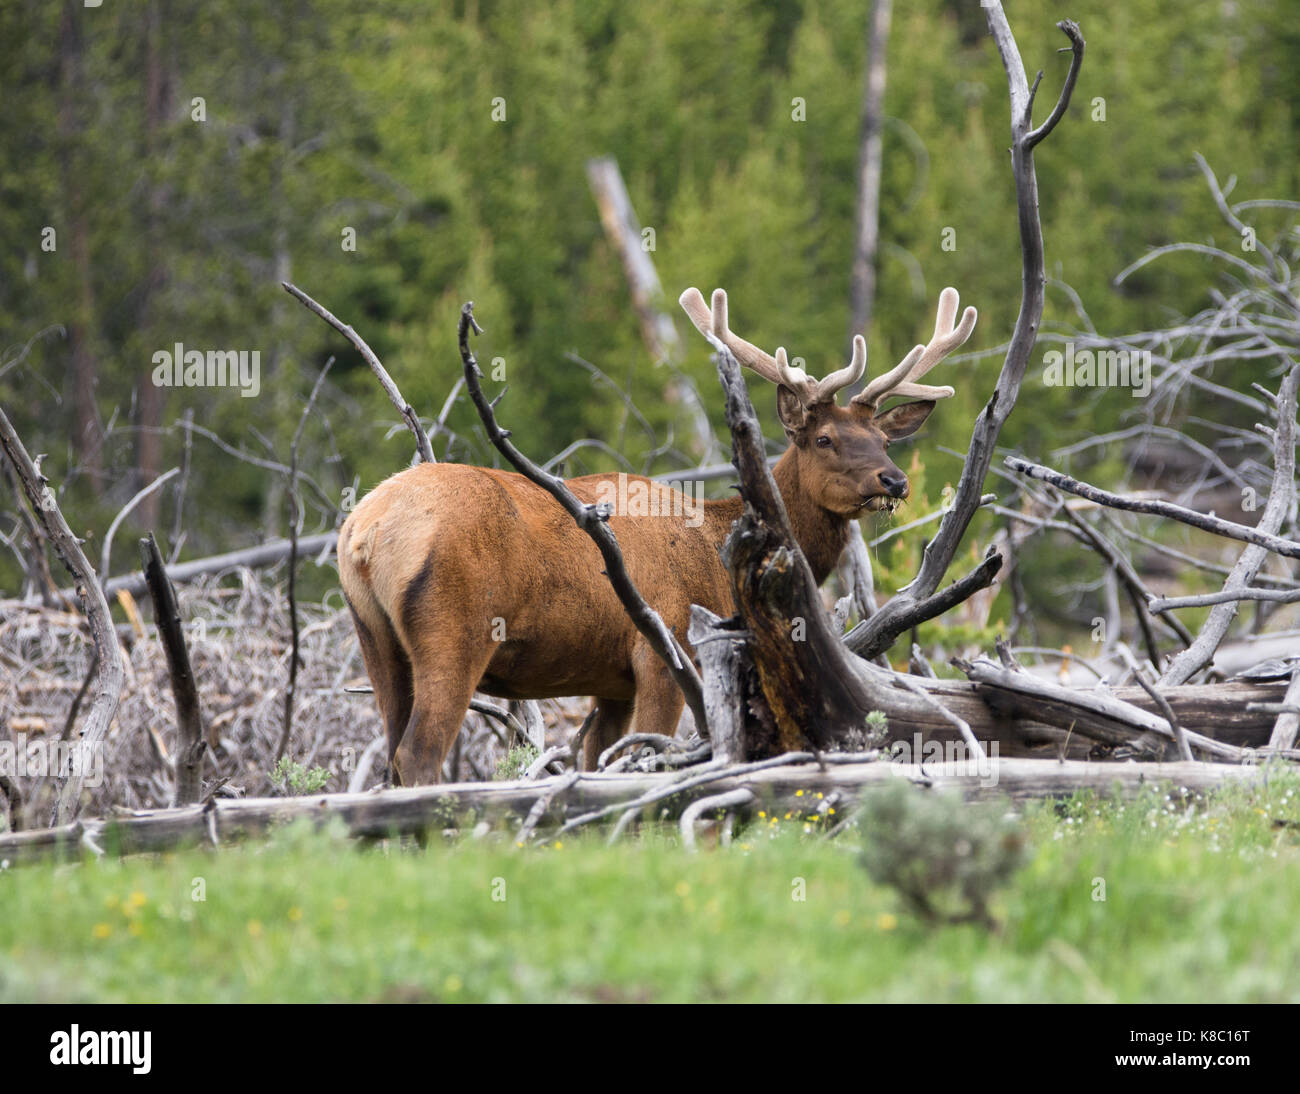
(895, 483)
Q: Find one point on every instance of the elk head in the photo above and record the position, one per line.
(841, 451)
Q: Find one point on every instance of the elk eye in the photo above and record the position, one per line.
(823, 442)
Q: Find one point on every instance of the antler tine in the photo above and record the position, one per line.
(714, 322)
(946, 336)
(849, 374)
(796, 379)
(874, 391)
(900, 380)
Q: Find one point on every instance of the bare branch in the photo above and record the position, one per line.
(1203, 521)
(403, 407)
(1071, 30)
(1205, 600)
(731, 799)
(295, 519)
(963, 727)
(266, 554)
(1137, 592)
(107, 551)
(1184, 749)
(1281, 501)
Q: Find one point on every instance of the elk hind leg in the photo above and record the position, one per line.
(659, 701)
(389, 670)
(443, 689)
(612, 719)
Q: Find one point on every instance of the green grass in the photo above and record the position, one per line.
(1200, 904)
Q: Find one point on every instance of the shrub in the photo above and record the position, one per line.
(515, 762)
(298, 778)
(944, 856)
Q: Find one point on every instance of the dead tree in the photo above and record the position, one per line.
(107, 670)
(862, 282)
(921, 600)
(188, 762)
(658, 331)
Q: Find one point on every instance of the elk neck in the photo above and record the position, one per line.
(821, 534)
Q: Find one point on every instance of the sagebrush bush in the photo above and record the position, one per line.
(944, 856)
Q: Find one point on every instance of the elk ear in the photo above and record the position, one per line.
(903, 420)
(792, 412)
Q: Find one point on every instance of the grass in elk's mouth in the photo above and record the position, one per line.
(1157, 900)
(882, 504)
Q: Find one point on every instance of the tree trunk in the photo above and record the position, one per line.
(862, 287)
(151, 398)
(87, 431)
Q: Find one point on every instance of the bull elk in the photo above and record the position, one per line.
(464, 579)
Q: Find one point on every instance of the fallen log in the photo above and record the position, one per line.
(266, 554)
(1221, 712)
(1096, 713)
(418, 810)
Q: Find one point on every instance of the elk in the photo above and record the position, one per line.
(463, 579)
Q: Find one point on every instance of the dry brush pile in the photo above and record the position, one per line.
(237, 632)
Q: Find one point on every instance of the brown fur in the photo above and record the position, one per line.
(439, 559)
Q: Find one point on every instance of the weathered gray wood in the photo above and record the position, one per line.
(528, 714)
(416, 810)
(265, 554)
(108, 671)
(720, 652)
(1219, 711)
(1094, 713)
(624, 232)
(862, 281)
(1288, 722)
(1281, 503)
